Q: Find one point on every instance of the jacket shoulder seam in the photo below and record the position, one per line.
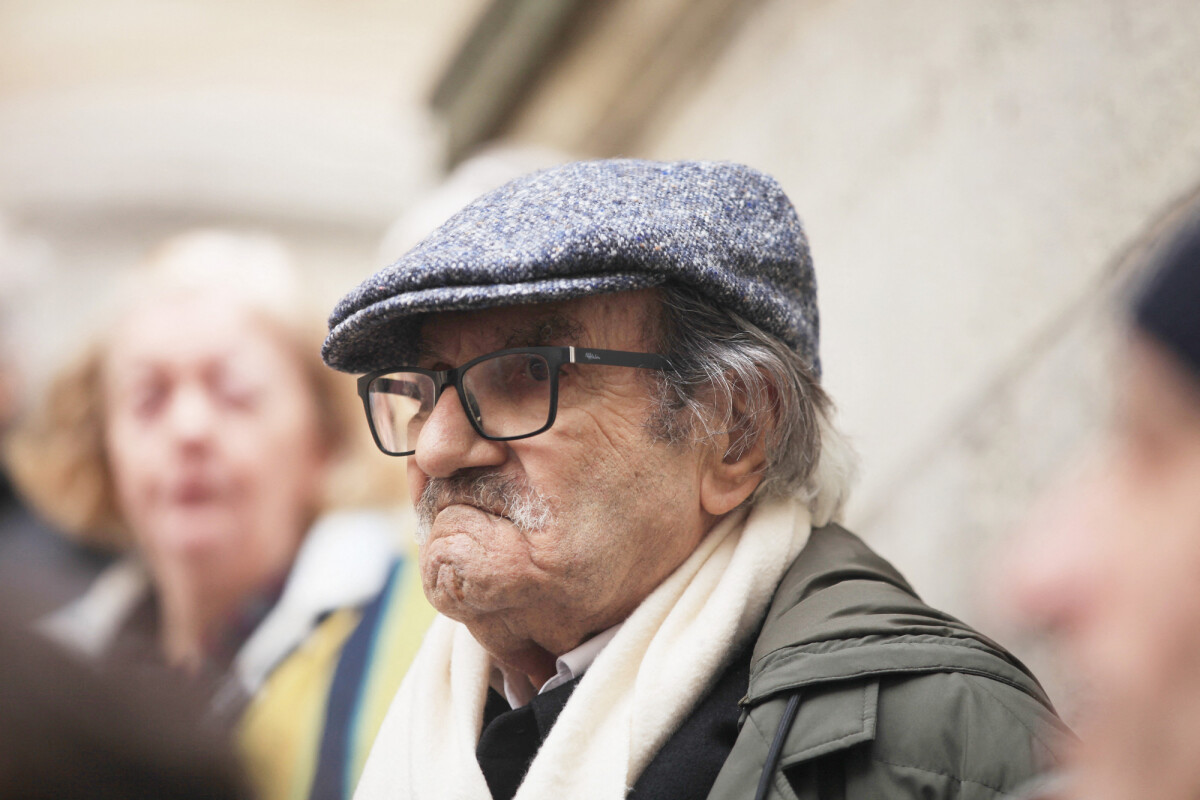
(883, 672)
(957, 779)
(1035, 735)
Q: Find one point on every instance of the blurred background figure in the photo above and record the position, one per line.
(200, 435)
(71, 732)
(35, 562)
(1110, 563)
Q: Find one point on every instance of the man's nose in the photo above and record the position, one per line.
(448, 442)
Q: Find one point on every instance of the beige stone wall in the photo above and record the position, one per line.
(970, 174)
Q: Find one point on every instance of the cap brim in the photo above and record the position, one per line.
(385, 334)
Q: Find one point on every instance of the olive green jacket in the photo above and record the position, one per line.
(867, 693)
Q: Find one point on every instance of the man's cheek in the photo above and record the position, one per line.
(416, 481)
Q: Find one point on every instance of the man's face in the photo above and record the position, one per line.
(615, 510)
(1111, 566)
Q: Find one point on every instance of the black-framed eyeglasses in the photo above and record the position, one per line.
(509, 394)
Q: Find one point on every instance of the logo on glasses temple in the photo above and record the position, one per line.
(591, 356)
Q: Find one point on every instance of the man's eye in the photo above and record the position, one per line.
(537, 369)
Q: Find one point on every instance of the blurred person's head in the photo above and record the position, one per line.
(1110, 562)
(71, 731)
(201, 429)
(24, 269)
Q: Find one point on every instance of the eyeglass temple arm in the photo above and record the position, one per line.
(616, 358)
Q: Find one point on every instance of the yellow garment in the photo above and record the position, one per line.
(281, 730)
(400, 636)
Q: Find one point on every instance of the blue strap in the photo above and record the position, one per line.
(785, 725)
(332, 781)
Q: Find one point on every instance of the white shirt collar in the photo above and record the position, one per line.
(518, 689)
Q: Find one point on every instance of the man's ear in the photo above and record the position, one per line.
(735, 465)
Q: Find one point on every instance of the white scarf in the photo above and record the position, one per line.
(664, 658)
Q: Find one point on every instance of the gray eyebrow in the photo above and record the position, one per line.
(550, 329)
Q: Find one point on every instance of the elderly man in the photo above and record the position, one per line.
(1111, 563)
(605, 379)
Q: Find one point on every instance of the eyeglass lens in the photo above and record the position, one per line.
(506, 396)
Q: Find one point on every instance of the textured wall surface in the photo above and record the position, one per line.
(970, 174)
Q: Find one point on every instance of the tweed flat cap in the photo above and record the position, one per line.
(588, 228)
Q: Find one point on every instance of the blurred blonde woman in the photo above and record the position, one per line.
(201, 435)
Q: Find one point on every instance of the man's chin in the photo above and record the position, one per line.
(452, 588)
(456, 566)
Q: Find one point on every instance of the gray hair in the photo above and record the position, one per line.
(730, 376)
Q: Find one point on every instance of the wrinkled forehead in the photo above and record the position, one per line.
(619, 321)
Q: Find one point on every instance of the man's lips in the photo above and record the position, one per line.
(495, 514)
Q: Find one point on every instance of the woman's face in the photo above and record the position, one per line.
(1110, 565)
(212, 437)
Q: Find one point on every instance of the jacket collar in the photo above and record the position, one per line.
(841, 612)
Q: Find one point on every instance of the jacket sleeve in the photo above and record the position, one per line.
(928, 735)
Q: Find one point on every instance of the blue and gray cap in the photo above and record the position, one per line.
(587, 228)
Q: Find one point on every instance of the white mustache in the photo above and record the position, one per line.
(500, 495)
